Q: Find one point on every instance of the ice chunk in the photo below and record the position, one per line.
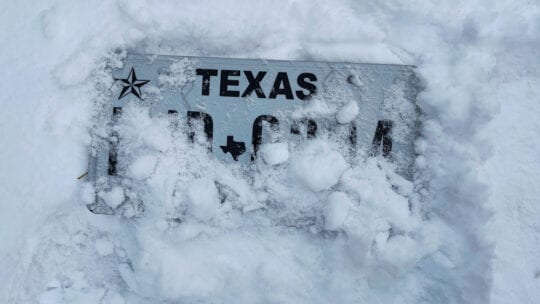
(114, 197)
(319, 167)
(203, 199)
(275, 153)
(337, 210)
(143, 166)
(348, 113)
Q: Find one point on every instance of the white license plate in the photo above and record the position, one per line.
(237, 103)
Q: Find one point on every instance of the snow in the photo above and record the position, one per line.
(337, 210)
(307, 224)
(178, 74)
(348, 113)
(203, 199)
(113, 198)
(318, 167)
(104, 247)
(274, 153)
(515, 193)
(142, 167)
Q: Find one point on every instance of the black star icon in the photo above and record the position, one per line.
(132, 85)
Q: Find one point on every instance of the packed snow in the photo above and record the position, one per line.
(304, 223)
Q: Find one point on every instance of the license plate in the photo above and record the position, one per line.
(239, 103)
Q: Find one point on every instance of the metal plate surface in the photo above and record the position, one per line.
(237, 102)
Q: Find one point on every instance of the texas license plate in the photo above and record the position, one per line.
(238, 104)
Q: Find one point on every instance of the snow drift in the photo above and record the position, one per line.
(283, 230)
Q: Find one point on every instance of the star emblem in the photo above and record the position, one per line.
(132, 85)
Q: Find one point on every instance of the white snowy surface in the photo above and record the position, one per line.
(466, 230)
(348, 113)
(274, 153)
(318, 166)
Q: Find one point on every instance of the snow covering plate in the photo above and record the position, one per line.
(236, 105)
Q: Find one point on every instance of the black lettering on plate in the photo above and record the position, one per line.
(173, 118)
(311, 127)
(113, 143)
(353, 137)
(282, 86)
(306, 85)
(256, 137)
(208, 125)
(254, 84)
(236, 148)
(352, 134)
(382, 135)
(206, 75)
(226, 82)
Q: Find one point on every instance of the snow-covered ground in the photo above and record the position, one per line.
(466, 230)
